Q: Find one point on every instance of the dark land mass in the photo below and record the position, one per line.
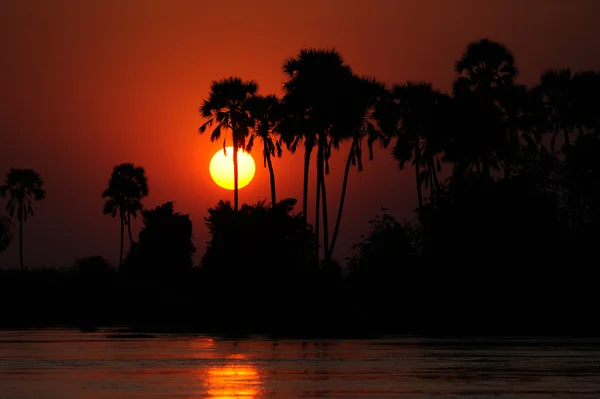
(506, 245)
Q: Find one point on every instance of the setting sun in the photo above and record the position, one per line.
(221, 168)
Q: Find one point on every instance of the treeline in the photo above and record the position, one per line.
(505, 244)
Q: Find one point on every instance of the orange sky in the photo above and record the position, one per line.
(85, 85)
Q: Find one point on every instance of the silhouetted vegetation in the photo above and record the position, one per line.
(127, 186)
(165, 245)
(6, 235)
(23, 186)
(506, 226)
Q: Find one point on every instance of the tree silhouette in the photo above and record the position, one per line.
(269, 240)
(420, 118)
(314, 98)
(6, 236)
(484, 71)
(23, 186)
(587, 101)
(227, 107)
(558, 93)
(127, 186)
(263, 111)
(357, 125)
(165, 245)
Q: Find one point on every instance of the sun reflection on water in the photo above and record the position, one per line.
(236, 379)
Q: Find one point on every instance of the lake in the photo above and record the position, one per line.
(65, 364)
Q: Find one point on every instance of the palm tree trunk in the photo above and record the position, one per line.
(435, 180)
(122, 239)
(317, 213)
(21, 242)
(129, 228)
(418, 176)
(321, 171)
(307, 154)
(235, 176)
(272, 179)
(326, 252)
(338, 220)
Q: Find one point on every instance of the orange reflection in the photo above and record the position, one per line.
(234, 380)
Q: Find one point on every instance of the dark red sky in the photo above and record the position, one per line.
(85, 85)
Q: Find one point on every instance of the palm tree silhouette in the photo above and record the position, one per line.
(23, 186)
(314, 94)
(358, 125)
(127, 186)
(558, 94)
(226, 106)
(484, 70)
(417, 118)
(262, 110)
(525, 116)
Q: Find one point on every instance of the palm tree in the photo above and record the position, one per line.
(127, 186)
(262, 111)
(557, 89)
(294, 129)
(23, 186)
(313, 96)
(357, 126)
(226, 106)
(418, 117)
(484, 70)
(525, 123)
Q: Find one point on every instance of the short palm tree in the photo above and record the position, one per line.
(262, 110)
(23, 186)
(127, 186)
(226, 107)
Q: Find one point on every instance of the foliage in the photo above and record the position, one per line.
(259, 239)
(165, 245)
(389, 247)
(126, 188)
(6, 235)
(23, 186)
(128, 184)
(93, 265)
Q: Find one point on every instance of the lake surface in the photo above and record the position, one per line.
(65, 364)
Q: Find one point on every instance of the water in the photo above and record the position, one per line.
(65, 364)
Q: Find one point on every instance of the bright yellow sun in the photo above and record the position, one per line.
(221, 168)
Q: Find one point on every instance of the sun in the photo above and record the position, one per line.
(221, 168)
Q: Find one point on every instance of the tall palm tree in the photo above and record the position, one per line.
(358, 125)
(313, 96)
(226, 107)
(23, 186)
(127, 186)
(294, 130)
(525, 124)
(558, 92)
(484, 70)
(418, 118)
(263, 111)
